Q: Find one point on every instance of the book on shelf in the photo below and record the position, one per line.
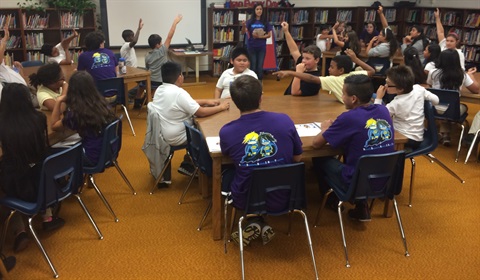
(223, 18)
(8, 20)
(34, 40)
(321, 16)
(71, 20)
(75, 42)
(390, 14)
(428, 17)
(472, 20)
(35, 21)
(300, 17)
(14, 42)
(344, 15)
(370, 16)
(8, 59)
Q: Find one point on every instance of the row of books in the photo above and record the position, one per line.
(8, 20)
(34, 40)
(300, 17)
(278, 32)
(71, 20)
(471, 53)
(75, 42)
(344, 15)
(428, 17)
(412, 16)
(223, 52)
(14, 42)
(35, 56)
(472, 37)
(297, 32)
(451, 18)
(370, 15)
(221, 35)
(219, 66)
(390, 14)
(321, 16)
(35, 21)
(473, 20)
(223, 18)
(277, 17)
(8, 59)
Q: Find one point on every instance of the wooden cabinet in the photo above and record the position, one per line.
(29, 30)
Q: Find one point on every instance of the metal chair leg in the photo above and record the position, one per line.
(103, 198)
(309, 241)
(412, 178)
(209, 207)
(339, 210)
(225, 210)
(5, 227)
(471, 146)
(45, 255)
(128, 118)
(167, 162)
(79, 199)
(124, 177)
(240, 240)
(459, 143)
(188, 185)
(400, 226)
(322, 205)
(446, 168)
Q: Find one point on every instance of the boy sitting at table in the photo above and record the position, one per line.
(240, 140)
(406, 108)
(340, 68)
(365, 129)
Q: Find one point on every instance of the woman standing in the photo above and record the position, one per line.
(258, 31)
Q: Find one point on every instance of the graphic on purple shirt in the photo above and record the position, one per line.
(257, 43)
(99, 63)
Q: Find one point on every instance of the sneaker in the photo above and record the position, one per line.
(164, 184)
(186, 170)
(54, 224)
(21, 242)
(267, 234)
(360, 213)
(444, 139)
(250, 232)
(9, 262)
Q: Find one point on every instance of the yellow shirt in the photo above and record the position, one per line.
(334, 84)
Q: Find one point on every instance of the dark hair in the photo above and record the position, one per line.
(450, 70)
(360, 86)
(434, 50)
(324, 27)
(402, 76)
(246, 92)
(390, 37)
(24, 141)
(127, 33)
(87, 108)
(47, 49)
(421, 37)
(238, 51)
(412, 59)
(93, 40)
(263, 18)
(313, 50)
(47, 74)
(353, 42)
(170, 72)
(154, 40)
(343, 61)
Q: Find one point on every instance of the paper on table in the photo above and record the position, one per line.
(213, 144)
(68, 142)
(308, 129)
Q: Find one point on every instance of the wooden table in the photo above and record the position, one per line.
(184, 56)
(397, 58)
(133, 75)
(302, 110)
(467, 96)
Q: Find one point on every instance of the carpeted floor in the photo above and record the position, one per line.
(157, 239)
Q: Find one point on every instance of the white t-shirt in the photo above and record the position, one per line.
(443, 46)
(433, 79)
(61, 56)
(228, 77)
(8, 75)
(321, 43)
(175, 106)
(129, 55)
(430, 66)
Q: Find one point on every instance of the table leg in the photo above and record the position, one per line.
(216, 198)
(149, 90)
(197, 69)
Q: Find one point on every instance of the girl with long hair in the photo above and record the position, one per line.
(431, 54)
(50, 84)
(258, 31)
(350, 41)
(411, 58)
(86, 112)
(416, 39)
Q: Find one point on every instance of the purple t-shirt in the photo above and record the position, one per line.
(361, 131)
(257, 140)
(257, 43)
(99, 63)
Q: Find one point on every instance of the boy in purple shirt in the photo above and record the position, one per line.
(256, 139)
(364, 129)
(96, 60)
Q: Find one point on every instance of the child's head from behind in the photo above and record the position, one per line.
(49, 50)
(448, 59)
(94, 40)
(246, 92)
(340, 64)
(81, 85)
(400, 79)
(128, 35)
(324, 29)
(15, 100)
(311, 56)
(154, 41)
(239, 59)
(432, 52)
(357, 90)
(49, 75)
(171, 71)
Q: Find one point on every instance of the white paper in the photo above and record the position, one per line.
(269, 41)
(213, 144)
(68, 142)
(242, 17)
(308, 129)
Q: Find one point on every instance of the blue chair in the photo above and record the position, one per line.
(473, 145)
(60, 178)
(428, 145)
(32, 63)
(448, 110)
(376, 176)
(117, 56)
(198, 150)
(111, 145)
(113, 90)
(266, 181)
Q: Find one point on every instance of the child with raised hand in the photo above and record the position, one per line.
(127, 50)
(240, 61)
(406, 109)
(86, 112)
(50, 84)
(60, 53)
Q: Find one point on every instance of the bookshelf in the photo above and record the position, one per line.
(29, 30)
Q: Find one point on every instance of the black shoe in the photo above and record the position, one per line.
(164, 184)
(186, 170)
(54, 224)
(360, 213)
(9, 262)
(21, 242)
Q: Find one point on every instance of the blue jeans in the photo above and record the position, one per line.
(329, 171)
(257, 56)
